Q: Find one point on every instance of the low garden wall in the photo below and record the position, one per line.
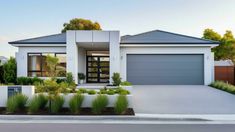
(89, 98)
(29, 91)
(6, 91)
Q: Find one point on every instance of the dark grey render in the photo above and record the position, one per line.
(156, 69)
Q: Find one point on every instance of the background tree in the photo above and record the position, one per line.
(1, 74)
(81, 24)
(9, 71)
(226, 49)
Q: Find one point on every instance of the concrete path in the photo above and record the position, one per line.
(181, 99)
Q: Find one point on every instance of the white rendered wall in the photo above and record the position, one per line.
(3, 96)
(206, 51)
(76, 61)
(22, 56)
(114, 54)
(72, 54)
(29, 91)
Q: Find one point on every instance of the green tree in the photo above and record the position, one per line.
(9, 71)
(81, 24)
(226, 49)
(52, 88)
(51, 63)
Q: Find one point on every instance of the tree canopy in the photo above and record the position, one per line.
(9, 71)
(81, 24)
(226, 49)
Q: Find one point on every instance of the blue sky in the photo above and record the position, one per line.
(21, 19)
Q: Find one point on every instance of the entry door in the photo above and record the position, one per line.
(98, 69)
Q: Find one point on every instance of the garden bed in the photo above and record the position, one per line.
(66, 111)
(223, 86)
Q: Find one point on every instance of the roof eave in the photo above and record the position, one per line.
(16, 42)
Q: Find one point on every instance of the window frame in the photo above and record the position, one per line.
(41, 59)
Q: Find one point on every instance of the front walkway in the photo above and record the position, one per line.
(181, 99)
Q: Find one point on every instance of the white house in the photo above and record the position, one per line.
(150, 58)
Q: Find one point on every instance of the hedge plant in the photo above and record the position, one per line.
(16, 103)
(37, 103)
(75, 103)
(99, 104)
(57, 104)
(121, 104)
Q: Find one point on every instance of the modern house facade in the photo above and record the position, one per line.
(151, 58)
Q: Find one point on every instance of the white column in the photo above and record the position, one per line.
(208, 68)
(212, 67)
(72, 54)
(21, 61)
(114, 53)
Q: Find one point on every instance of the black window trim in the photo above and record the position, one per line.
(39, 53)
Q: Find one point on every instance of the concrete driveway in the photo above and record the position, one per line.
(181, 99)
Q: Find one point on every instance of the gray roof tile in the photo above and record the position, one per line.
(50, 39)
(163, 37)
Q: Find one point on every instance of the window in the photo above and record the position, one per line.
(37, 64)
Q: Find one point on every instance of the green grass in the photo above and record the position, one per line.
(37, 103)
(91, 92)
(75, 103)
(126, 83)
(121, 104)
(99, 104)
(16, 103)
(223, 86)
(57, 104)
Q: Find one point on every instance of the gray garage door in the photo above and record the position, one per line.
(167, 69)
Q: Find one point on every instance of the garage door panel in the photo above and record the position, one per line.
(165, 69)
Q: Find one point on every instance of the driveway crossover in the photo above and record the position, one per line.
(182, 99)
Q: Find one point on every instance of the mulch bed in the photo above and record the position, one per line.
(65, 111)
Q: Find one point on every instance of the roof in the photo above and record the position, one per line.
(151, 37)
(163, 37)
(224, 63)
(50, 39)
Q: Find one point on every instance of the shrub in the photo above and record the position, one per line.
(1, 74)
(23, 81)
(69, 78)
(121, 104)
(37, 103)
(116, 79)
(122, 91)
(125, 83)
(110, 92)
(36, 80)
(82, 90)
(103, 91)
(91, 92)
(57, 104)
(16, 102)
(99, 104)
(75, 103)
(28, 80)
(9, 71)
(223, 86)
(59, 80)
(81, 76)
